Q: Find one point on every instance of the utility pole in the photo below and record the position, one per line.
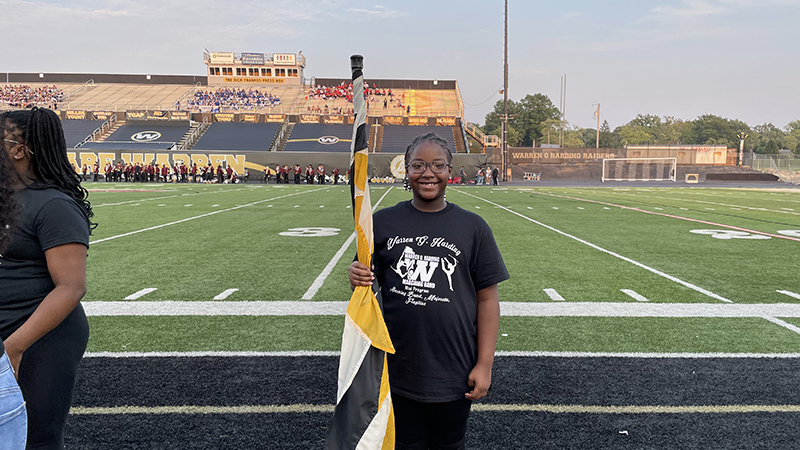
(504, 148)
(742, 135)
(597, 114)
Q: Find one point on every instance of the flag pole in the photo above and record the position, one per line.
(363, 417)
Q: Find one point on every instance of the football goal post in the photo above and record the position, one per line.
(639, 169)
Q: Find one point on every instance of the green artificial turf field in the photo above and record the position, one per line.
(267, 243)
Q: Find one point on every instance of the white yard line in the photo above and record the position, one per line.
(507, 309)
(225, 294)
(790, 294)
(784, 324)
(633, 294)
(199, 217)
(499, 354)
(616, 255)
(160, 198)
(320, 280)
(554, 296)
(752, 208)
(304, 408)
(141, 293)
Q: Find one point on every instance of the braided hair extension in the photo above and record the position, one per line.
(8, 207)
(430, 137)
(43, 136)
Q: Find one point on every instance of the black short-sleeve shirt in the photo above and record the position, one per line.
(430, 267)
(48, 218)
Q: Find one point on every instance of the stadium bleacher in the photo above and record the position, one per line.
(75, 131)
(238, 136)
(144, 135)
(319, 138)
(396, 138)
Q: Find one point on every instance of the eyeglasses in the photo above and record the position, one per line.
(436, 166)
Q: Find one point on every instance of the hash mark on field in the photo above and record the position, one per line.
(296, 206)
(790, 294)
(529, 207)
(606, 207)
(321, 206)
(660, 209)
(554, 296)
(214, 206)
(633, 294)
(579, 207)
(188, 204)
(163, 204)
(225, 294)
(787, 209)
(555, 207)
(711, 209)
(141, 293)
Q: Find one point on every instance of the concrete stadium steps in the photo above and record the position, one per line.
(458, 138)
(75, 131)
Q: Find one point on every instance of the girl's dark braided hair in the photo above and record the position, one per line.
(41, 132)
(430, 137)
(8, 207)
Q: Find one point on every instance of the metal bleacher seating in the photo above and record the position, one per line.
(75, 131)
(396, 138)
(142, 136)
(319, 138)
(238, 136)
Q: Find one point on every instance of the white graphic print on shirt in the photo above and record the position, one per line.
(417, 270)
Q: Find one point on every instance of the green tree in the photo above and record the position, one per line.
(771, 148)
(608, 139)
(528, 117)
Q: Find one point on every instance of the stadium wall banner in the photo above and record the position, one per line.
(392, 120)
(158, 115)
(275, 118)
(418, 121)
(221, 58)
(75, 115)
(250, 118)
(254, 80)
(101, 115)
(180, 115)
(445, 121)
(532, 155)
(380, 164)
(333, 119)
(136, 115)
(309, 118)
(224, 117)
(253, 59)
(284, 59)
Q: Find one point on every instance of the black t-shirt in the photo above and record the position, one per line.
(49, 218)
(430, 267)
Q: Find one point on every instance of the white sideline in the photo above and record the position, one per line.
(161, 198)
(320, 280)
(509, 309)
(200, 216)
(499, 354)
(597, 247)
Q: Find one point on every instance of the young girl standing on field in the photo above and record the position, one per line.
(438, 267)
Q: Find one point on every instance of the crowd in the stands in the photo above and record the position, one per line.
(230, 99)
(25, 96)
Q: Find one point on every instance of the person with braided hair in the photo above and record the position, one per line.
(43, 271)
(14, 426)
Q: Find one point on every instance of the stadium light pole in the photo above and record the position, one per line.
(504, 144)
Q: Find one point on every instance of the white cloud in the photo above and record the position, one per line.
(378, 11)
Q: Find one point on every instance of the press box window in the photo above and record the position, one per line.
(266, 72)
(227, 71)
(213, 70)
(280, 72)
(240, 71)
(292, 72)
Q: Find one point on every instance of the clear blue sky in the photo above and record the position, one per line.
(734, 58)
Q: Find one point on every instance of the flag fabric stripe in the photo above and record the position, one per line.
(363, 418)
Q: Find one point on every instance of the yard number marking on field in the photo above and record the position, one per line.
(318, 282)
(609, 252)
(554, 296)
(225, 294)
(141, 293)
(199, 217)
(633, 294)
